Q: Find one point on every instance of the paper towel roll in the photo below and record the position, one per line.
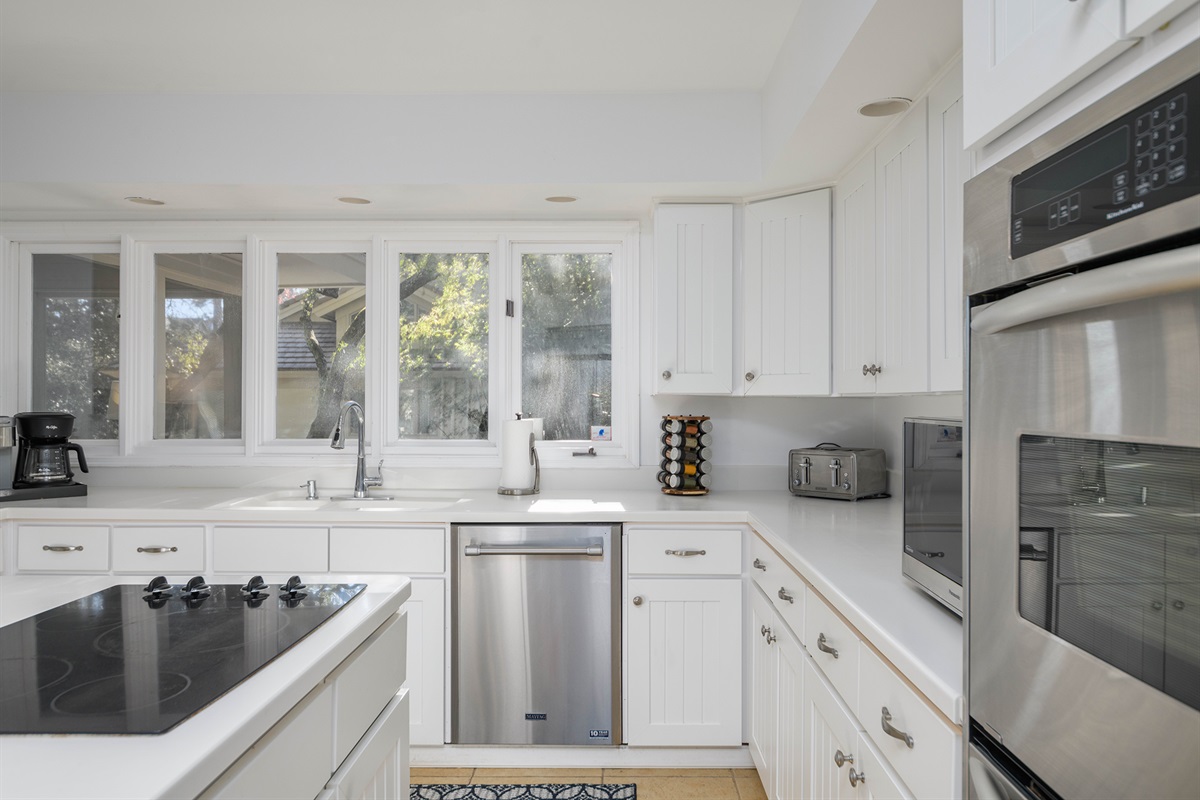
(516, 465)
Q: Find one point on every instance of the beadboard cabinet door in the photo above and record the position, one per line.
(854, 284)
(684, 662)
(693, 264)
(1020, 54)
(786, 297)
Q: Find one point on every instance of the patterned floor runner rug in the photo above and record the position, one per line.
(539, 791)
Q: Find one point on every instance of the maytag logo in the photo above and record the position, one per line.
(535, 716)
(597, 734)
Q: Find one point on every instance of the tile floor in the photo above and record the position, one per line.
(652, 784)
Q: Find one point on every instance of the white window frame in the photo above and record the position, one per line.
(621, 451)
(139, 317)
(430, 452)
(24, 251)
(261, 357)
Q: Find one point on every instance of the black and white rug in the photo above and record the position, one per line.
(537, 791)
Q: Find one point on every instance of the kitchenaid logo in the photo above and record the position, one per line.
(1120, 212)
(535, 716)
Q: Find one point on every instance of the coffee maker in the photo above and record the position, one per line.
(43, 467)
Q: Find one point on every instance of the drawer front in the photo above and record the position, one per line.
(824, 631)
(378, 766)
(928, 768)
(249, 550)
(366, 682)
(403, 550)
(662, 551)
(879, 778)
(62, 548)
(780, 583)
(157, 549)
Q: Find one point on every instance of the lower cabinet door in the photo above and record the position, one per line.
(876, 779)
(378, 765)
(764, 690)
(832, 736)
(684, 662)
(789, 774)
(425, 675)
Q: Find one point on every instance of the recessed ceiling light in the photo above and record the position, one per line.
(561, 198)
(355, 201)
(886, 107)
(145, 201)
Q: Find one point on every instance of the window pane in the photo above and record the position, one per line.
(443, 346)
(76, 322)
(566, 341)
(198, 374)
(321, 340)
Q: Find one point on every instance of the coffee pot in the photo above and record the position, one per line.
(43, 458)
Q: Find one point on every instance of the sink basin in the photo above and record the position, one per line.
(294, 501)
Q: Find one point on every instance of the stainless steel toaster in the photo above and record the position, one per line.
(844, 473)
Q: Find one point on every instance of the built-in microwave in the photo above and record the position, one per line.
(933, 508)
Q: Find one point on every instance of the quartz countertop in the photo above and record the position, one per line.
(187, 758)
(849, 551)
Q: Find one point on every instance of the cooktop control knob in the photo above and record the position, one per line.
(255, 588)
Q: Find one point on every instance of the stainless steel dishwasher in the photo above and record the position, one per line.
(535, 651)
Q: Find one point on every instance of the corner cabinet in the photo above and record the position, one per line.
(785, 299)
(693, 264)
(881, 339)
(683, 647)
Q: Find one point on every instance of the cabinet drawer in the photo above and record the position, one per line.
(378, 766)
(660, 551)
(833, 646)
(62, 548)
(290, 760)
(779, 582)
(881, 780)
(157, 549)
(250, 550)
(365, 683)
(403, 550)
(928, 767)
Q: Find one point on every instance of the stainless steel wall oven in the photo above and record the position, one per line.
(1083, 565)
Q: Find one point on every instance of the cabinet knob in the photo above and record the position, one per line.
(824, 647)
(1157, 605)
(1178, 604)
(749, 377)
(857, 777)
(666, 374)
(771, 637)
(841, 759)
(637, 601)
(865, 372)
(758, 564)
(784, 594)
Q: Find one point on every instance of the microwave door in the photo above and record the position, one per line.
(1084, 564)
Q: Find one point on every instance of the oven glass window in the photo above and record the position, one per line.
(1110, 554)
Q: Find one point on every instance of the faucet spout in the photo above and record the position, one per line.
(362, 481)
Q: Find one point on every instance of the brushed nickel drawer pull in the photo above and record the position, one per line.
(841, 759)
(895, 732)
(63, 548)
(771, 637)
(686, 553)
(158, 549)
(784, 594)
(758, 564)
(825, 648)
(857, 777)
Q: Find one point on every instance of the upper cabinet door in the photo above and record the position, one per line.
(854, 287)
(1143, 16)
(693, 247)
(786, 303)
(949, 167)
(902, 257)
(1019, 54)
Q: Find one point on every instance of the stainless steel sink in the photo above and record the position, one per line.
(288, 500)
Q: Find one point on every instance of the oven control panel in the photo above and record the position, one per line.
(1146, 159)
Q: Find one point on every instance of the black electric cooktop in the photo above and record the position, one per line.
(130, 659)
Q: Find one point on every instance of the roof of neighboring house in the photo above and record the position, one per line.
(291, 350)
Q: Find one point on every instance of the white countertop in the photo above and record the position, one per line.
(183, 761)
(850, 552)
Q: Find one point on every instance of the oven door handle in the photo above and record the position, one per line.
(1168, 272)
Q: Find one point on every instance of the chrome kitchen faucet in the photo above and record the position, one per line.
(362, 481)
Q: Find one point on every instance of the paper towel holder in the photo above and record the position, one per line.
(537, 473)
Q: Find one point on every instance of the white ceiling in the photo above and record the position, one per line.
(472, 49)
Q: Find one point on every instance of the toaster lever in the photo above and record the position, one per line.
(834, 470)
(805, 468)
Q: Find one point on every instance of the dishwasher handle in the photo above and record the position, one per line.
(531, 550)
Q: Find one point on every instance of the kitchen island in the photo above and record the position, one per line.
(222, 749)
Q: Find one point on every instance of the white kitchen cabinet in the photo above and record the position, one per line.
(158, 549)
(854, 279)
(786, 296)
(949, 168)
(1020, 54)
(1143, 16)
(378, 766)
(777, 701)
(684, 661)
(693, 265)
(245, 550)
(62, 548)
